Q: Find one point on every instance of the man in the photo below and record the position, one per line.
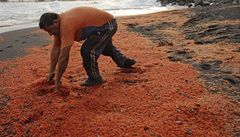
(96, 27)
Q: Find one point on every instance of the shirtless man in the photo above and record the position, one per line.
(96, 28)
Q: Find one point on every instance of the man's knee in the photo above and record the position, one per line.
(84, 51)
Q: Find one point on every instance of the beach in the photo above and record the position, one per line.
(186, 81)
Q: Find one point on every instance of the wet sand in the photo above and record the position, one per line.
(166, 94)
(15, 43)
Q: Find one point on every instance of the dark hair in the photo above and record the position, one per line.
(47, 19)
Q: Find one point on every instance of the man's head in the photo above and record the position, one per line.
(50, 22)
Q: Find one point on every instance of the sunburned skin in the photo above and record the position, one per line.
(73, 21)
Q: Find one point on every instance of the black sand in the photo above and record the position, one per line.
(14, 43)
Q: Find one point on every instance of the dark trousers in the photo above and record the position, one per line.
(98, 43)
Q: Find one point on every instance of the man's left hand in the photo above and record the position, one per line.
(57, 86)
(50, 77)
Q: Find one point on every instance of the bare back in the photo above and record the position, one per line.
(74, 20)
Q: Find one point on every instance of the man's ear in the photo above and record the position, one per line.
(56, 21)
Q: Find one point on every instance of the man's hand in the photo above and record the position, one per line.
(57, 86)
(50, 78)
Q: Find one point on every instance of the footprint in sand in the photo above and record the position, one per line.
(35, 116)
(133, 70)
(9, 46)
(1, 50)
(134, 81)
(44, 90)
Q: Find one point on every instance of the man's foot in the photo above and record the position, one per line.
(128, 63)
(93, 82)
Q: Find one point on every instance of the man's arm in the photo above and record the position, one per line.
(54, 58)
(62, 65)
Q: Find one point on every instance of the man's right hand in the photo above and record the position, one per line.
(50, 78)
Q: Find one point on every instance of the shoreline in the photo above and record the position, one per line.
(17, 27)
(35, 24)
(8, 51)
